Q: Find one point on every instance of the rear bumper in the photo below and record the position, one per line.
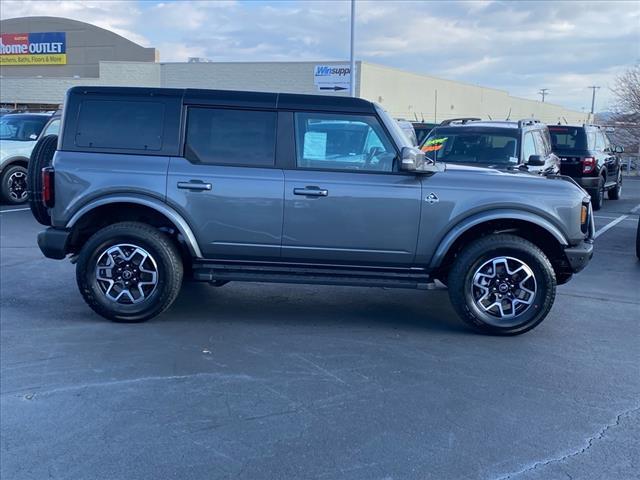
(588, 183)
(53, 242)
(579, 255)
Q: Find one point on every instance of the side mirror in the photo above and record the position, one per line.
(411, 159)
(619, 149)
(535, 161)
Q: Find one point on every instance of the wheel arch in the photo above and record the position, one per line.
(108, 210)
(17, 160)
(537, 230)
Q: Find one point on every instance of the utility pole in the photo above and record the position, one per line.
(352, 82)
(593, 101)
(543, 92)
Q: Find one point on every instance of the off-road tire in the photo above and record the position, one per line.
(41, 157)
(5, 187)
(480, 251)
(160, 247)
(614, 193)
(597, 195)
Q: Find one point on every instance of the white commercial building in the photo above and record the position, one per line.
(94, 56)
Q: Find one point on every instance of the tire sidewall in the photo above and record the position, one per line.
(543, 299)
(86, 276)
(6, 175)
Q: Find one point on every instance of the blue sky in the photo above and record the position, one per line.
(517, 46)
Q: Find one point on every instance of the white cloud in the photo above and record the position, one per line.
(517, 46)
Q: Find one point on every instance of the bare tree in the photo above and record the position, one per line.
(626, 91)
(626, 108)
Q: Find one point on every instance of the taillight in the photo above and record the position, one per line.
(588, 164)
(48, 192)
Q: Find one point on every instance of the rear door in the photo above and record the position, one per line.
(226, 185)
(344, 201)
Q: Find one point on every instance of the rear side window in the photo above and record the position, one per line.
(568, 138)
(120, 124)
(220, 136)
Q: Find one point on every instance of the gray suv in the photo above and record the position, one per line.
(146, 187)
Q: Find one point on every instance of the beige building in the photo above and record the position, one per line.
(96, 56)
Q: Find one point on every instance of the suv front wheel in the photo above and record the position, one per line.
(502, 284)
(129, 272)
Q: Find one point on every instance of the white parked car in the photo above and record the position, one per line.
(19, 133)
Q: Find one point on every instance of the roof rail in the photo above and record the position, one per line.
(462, 120)
(527, 121)
(590, 125)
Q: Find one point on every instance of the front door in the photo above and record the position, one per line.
(226, 186)
(344, 201)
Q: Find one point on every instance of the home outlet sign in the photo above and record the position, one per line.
(332, 78)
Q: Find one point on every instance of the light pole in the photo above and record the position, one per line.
(543, 92)
(593, 101)
(352, 69)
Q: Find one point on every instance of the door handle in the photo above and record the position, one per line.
(311, 192)
(194, 185)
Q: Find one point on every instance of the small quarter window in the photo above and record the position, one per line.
(528, 147)
(219, 136)
(120, 124)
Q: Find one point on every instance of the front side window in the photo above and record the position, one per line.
(539, 141)
(220, 136)
(475, 147)
(342, 142)
(528, 146)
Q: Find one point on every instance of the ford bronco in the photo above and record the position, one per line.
(145, 187)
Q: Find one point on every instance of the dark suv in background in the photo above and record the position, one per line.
(524, 145)
(587, 156)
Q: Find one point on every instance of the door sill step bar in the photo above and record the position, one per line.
(216, 271)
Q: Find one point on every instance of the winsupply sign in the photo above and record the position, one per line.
(42, 48)
(332, 77)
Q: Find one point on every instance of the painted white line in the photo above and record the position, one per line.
(15, 210)
(610, 225)
(635, 209)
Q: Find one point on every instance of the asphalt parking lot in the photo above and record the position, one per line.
(293, 382)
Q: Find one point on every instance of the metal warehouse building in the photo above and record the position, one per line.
(41, 57)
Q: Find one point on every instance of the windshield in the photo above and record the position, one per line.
(568, 138)
(21, 128)
(483, 148)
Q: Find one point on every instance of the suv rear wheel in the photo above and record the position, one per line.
(614, 193)
(597, 195)
(502, 285)
(129, 272)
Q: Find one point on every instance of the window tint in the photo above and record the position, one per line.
(52, 129)
(568, 138)
(342, 142)
(528, 146)
(128, 125)
(231, 137)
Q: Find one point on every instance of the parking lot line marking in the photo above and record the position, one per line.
(610, 225)
(635, 209)
(15, 210)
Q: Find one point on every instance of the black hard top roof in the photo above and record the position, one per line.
(234, 98)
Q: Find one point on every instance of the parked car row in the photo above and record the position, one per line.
(146, 187)
(19, 133)
(583, 152)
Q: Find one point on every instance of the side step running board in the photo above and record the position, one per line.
(316, 274)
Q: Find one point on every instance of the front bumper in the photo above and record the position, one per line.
(54, 242)
(579, 255)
